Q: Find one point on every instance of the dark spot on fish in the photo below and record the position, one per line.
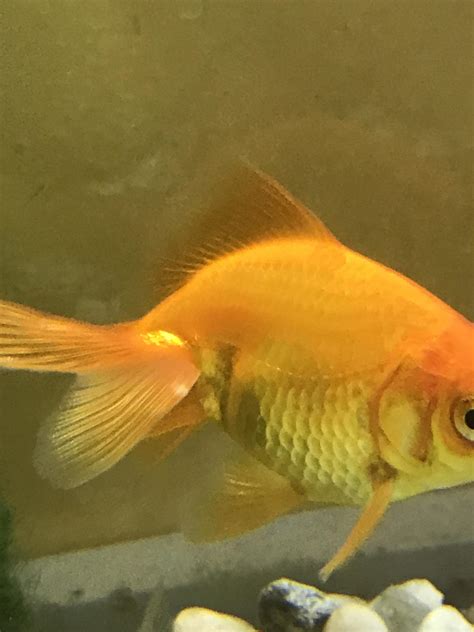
(251, 424)
(227, 356)
(261, 432)
(380, 471)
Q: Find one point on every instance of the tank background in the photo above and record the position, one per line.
(117, 115)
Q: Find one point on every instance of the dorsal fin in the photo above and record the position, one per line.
(248, 207)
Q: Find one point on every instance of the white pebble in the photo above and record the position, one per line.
(447, 619)
(404, 606)
(355, 617)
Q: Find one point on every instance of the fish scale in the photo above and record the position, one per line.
(316, 434)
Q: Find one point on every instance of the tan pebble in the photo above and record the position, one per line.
(203, 620)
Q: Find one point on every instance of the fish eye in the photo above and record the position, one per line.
(469, 418)
(462, 415)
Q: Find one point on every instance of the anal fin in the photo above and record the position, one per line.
(171, 431)
(163, 445)
(188, 413)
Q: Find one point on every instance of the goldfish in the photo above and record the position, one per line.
(342, 381)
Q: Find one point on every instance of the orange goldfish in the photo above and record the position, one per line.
(343, 381)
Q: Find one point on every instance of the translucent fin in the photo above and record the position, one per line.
(248, 208)
(32, 340)
(249, 496)
(162, 446)
(171, 431)
(369, 519)
(105, 415)
(187, 413)
(127, 381)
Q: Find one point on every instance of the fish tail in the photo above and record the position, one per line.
(127, 381)
(35, 341)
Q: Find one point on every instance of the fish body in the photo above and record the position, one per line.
(343, 381)
(316, 332)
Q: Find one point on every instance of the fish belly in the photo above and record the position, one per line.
(308, 428)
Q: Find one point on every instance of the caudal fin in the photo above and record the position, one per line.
(127, 381)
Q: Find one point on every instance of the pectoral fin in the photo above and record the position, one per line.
(369, 519)
(248, 496)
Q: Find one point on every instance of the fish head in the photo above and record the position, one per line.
(453, 420)
(426, 414)
(453, 438)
